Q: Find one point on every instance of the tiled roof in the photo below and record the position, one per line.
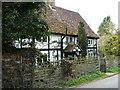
(70, 48)
(59, 18)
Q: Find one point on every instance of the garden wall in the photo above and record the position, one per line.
(47, 74)
(51, 74)
(17, 68)
(20, 71)
(111, 61)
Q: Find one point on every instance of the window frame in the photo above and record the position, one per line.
(71, 39)
(67, 39)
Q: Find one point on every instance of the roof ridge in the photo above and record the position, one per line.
(69, 18)
(67, 9)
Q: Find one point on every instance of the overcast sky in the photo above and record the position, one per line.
(93, 11)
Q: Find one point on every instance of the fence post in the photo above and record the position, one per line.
(102, 62)
(63, 69)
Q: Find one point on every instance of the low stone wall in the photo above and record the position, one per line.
(108, 62)
(83, 67)
(17, 68)
(47, 75)
(111, 61)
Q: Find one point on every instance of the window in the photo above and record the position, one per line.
(70, 39)
(91, 41)
(66, 39)
(88, 41)
(88, 50)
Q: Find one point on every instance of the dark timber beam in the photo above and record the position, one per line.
(62, 38)
(48, 48)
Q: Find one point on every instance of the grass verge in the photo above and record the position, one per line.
(83, 79)
(114, 70)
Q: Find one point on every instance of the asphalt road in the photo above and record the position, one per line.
(109, 82)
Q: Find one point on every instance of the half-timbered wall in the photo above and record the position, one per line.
(52, 45)
(92, 47)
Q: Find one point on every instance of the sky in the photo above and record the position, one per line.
(93, 11)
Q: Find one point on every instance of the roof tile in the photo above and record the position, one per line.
(61, 18)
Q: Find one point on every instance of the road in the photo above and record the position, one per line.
(109, 82)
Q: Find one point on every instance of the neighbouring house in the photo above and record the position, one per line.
(62, 40)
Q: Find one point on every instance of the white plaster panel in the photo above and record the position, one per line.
(53, 54)
(17, 43)
(55, 41)
(75, 40)
(41, 45)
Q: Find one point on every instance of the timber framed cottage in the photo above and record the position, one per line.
(62, 40)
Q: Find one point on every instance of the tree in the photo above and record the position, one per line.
(23, 20)
(112, 45)
(106, 27)
(82, 39)
(108, 41)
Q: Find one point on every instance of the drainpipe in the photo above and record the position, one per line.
(62, 44)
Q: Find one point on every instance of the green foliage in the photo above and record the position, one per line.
(112, 45)
(41, 57)
(106, 27)
(82, 39)
(83, 79)
(101, 42)
(114, 69)
(109, 41)
(23, 20)
(44, 56)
